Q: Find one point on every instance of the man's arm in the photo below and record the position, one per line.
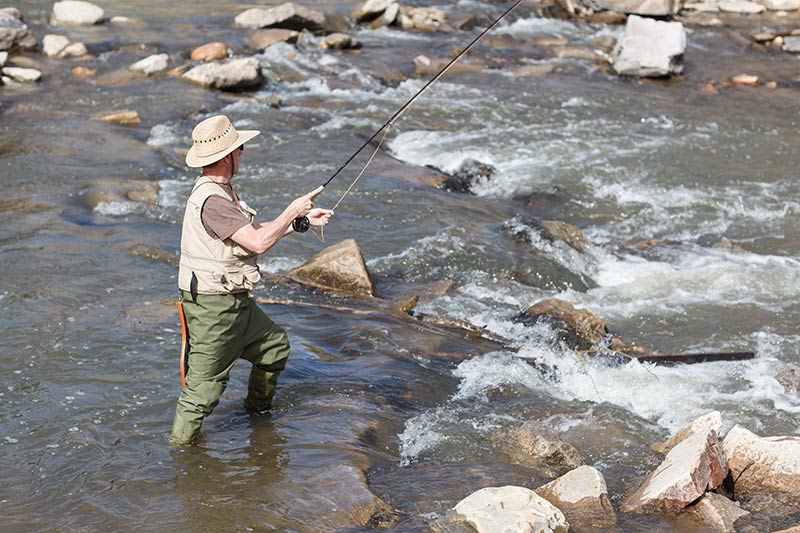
(260, 237)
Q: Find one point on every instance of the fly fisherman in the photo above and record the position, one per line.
(220, 244)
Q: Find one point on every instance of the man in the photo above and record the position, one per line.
(220, 245)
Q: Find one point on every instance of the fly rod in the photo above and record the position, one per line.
(302, 224)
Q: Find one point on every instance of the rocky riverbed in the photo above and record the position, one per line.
(597, 182)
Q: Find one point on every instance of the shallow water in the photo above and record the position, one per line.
(90, 335)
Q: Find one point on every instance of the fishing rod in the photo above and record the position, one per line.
(302, 224)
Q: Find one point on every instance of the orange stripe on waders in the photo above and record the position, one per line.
(184, 345)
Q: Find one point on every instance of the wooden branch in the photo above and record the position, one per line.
(692, 358)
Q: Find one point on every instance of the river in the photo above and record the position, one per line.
(90, 332)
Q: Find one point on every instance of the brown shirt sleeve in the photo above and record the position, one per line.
(222, 218)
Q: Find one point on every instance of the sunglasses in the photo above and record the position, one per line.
(241, 148)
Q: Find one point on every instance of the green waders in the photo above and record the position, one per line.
(223, 328)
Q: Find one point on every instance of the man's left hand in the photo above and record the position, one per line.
(319, 217)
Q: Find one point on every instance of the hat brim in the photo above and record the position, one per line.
(195, 161)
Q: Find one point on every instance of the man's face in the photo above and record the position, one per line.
(237, 154)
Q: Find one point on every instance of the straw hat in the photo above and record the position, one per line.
(213, 139)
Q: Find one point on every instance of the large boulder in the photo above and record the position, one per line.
(233, 75)
(510, 508)
(712, 420)
(340, 267)
(76, 12)
(14, 33)
(151, 64)
(533, 444)
(715, 512)
(581, 494)
(653, 8)
(690, 469)
(289, 16)
(650, 48)
(762, 464)
(581, 328)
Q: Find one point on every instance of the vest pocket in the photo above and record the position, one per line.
(240, 278)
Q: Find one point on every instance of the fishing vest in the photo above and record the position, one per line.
(209, 265)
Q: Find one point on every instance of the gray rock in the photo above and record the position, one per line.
(690, 469)
(340, 267)
(743, 7)
(14, 33)
(791, 43)
(658, 8)
(22, 75)
(763, 464)
(512, 509)
(650, 48)
(232, 75)
(76, 12)
(581, 494)
(151, 64)
(289, 16)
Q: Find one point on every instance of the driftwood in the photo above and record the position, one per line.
(692, 358)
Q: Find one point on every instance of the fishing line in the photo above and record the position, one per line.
(389, 123)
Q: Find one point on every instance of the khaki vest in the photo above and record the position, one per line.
(209, 265)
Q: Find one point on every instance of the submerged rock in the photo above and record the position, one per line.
(581, 494)
(210, 52)
(151, 64)
(582, 328)
(76, 12)
(650, 48)
(289, 16)
(763, 464)
(468, 174)
(716, 513)
(791, 44)
(534, 444)
(690, 469)
(264, 38)
(14, 33)
(557, 230)
(340, 267)
(710, 421)
(341, 509)
(124, 117)
(233, 75)
(510, 508)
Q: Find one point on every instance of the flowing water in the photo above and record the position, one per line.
(90, 333)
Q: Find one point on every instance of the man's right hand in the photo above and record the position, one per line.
(301, 206)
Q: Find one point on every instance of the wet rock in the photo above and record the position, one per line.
(123, 21)
(762, 464)
(76, 12)
(781, 5)
(337, 509)
(510, 508)
(121, 191)
(289, 16)
(151, 64)
(534, 70)
(581, 494)
(233, 75)
(742, 7)
(13, 11)
(535, 444)
(340, 41)
(607, 17)
(371, 10)
(264, 38)
(389, 16)
(14, 33)
(744, 80)
(791, 43)
(124, 117)
(424, 66)
(22, 75)
(703, 424)
(709, 90)
(726, 244)
(75, 50)
(420, 18)
(83, 72)
(210, 52)
(556, 230)
(657, 8)
(690, 469)
(650, 48)
(340, 267)
(582, 329)
(575, 52)
(716, 513)
(468, 174)
(58, 46)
